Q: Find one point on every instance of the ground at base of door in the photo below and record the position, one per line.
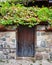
(26, 62)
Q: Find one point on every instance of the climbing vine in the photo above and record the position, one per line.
(18, 14)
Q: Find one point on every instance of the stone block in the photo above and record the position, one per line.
(45, 55)
(50, 56)
(38, 56)
(8, 39)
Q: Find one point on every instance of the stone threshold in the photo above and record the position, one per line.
(25, 58)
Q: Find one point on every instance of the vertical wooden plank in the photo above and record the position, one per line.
(25, 41)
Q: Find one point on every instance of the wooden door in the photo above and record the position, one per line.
(25, 42)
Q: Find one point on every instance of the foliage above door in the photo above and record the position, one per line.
(18, 14)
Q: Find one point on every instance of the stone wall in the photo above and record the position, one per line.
(7, 45)
(43, 43)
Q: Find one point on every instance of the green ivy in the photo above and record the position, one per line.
(43, 14)
(18, 14)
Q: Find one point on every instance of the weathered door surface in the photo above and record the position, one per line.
(25, 42)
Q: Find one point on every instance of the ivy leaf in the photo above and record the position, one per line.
(43, 14)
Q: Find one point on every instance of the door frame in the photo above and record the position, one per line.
(34, 39)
